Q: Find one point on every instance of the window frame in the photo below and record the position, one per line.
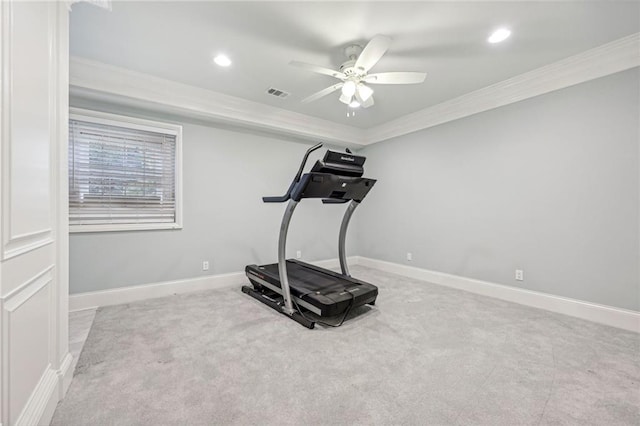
(134, 123)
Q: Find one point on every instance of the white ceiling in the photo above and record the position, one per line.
(177, 40)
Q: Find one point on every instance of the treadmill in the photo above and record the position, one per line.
(307, 293)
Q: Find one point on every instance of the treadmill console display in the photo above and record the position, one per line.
(343, 157)
(340, 163)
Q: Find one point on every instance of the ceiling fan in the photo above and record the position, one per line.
(355, 77)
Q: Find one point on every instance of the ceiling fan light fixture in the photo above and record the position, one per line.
(364, 92)
(349, 88)
(354, 104)
(499, 35)
(345, 99)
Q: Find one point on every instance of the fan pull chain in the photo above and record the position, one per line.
(351, 112)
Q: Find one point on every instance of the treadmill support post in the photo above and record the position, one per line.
(282, 257)
(343, 235)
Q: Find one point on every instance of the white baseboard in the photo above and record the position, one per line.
(332, 263)
(117, 296)
(608, 315)
(65, 374)
(41, 405)
(51, 388)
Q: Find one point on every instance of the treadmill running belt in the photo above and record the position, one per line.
(304, 280)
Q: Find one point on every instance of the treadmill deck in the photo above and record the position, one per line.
(329, 292)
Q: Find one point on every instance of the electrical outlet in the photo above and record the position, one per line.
(409, 257)
(205, 265)
(519, 275)
(299, 254)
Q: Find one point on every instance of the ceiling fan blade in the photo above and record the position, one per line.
(364, 103)
(372, 53)
(322, 93)
(396, 78)
(318, 69)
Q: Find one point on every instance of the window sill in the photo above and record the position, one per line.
(123, 227)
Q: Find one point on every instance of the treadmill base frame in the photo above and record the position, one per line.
(276, 302)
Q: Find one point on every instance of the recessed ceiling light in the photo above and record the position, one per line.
(222, 60)
(499, 35)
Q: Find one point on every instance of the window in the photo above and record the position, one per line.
(124, 173)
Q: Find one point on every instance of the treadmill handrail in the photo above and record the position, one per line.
(282, 257)
(342, 254)
(296, 179)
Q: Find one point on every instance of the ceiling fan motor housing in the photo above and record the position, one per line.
(352, 52)
(347, 68)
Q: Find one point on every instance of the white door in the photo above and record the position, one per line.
(34, 356)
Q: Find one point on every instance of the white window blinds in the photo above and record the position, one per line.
(120, 174)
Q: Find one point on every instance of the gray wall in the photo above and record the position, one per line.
(225, 174)
(549, 185)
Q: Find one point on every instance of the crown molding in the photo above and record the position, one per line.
(102, 82)
(610, 58)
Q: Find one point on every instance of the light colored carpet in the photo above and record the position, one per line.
(424, 355)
